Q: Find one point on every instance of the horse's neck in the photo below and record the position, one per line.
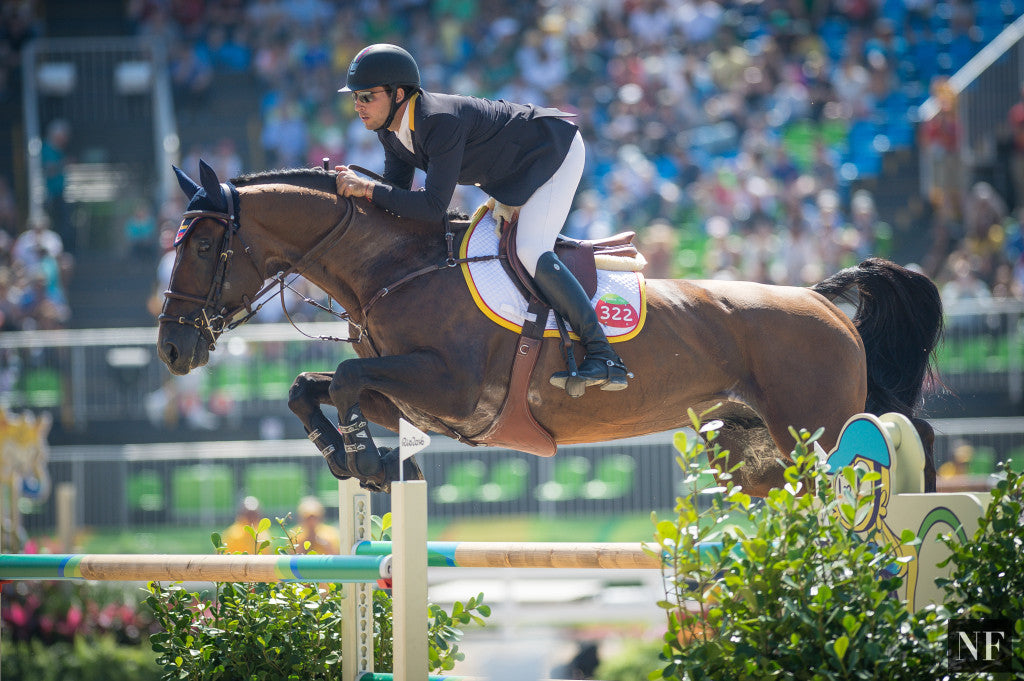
(374, 251)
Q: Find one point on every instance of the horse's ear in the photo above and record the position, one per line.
(185, 182)
(208, 178)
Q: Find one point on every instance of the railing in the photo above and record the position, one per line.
(97, 375)
(986, 87)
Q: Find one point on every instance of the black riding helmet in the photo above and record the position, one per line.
(383, 65)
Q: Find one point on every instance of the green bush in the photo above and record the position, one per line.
(633, 663)
(796, 597)
(100, 659)
(987, 579)
(278, 631)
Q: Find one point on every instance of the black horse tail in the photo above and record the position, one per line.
(899, 317)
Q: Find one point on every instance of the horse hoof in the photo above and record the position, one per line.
(337, 466)
(389, 472)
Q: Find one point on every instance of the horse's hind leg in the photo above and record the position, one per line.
(308, 392)
(747, 439)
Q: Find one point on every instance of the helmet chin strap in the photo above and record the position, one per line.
(392, 111)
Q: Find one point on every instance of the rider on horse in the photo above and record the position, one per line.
(521, 155)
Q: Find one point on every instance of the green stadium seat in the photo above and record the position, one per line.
(506, 482)
(278, 486)
(274, 380)
(613, 478)
(326, 487)
(203, 490)
(982, 461)
(42, 388)
(231, 379)
(462, 482)
(568, 479)
(145, 491)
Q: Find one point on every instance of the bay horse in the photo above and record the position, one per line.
(774, 357)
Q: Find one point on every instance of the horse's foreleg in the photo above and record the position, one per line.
(308, 392)
(405, 378)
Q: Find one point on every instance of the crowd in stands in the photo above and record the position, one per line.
(34, 271)
(691, 110)
(729, 134)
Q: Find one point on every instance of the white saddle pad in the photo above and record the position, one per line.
(620, 300)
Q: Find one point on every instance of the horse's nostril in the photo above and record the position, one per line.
(170, 352)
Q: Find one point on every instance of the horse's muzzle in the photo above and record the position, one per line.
(173, 353)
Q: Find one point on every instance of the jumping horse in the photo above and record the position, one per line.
(773, 357)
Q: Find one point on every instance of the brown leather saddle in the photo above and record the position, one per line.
(577, 254)
(514, 427)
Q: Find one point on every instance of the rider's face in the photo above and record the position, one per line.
(372, 107)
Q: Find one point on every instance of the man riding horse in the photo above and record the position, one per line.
(521, 155)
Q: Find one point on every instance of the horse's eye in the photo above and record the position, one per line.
(204, 246)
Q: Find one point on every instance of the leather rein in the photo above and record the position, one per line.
(214, 319)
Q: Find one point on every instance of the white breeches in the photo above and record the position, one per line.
(543, 215)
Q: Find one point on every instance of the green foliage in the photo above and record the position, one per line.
(987, 578)
(277, 631)
(99, 659)
(632, 663)
(795, 597)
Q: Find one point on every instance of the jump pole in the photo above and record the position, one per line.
(195, 568)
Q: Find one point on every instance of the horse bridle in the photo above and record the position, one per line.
(213, 319)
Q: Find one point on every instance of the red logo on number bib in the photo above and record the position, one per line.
(615, 311)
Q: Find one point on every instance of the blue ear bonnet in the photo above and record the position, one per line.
(210, 196)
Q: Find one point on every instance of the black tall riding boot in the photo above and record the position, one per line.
(563, 292)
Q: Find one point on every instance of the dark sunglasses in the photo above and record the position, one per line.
(367, 96)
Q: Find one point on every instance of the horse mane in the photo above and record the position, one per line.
(311, 178)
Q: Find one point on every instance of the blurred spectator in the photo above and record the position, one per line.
(164, 268)
(191, 75)
(1015, 119)
(53, 156)
(658, 245)
(589, 220)
(985, 215)
(959, 463)
(10, 312)
(323, 538)
(225, 159)
(237, 538)
(284, 135)
(140, 232)
(225, 50)
(582, 666)
(38, 239)
(964, 286)
(872, 235)
(8, 208)
(940, 141)
(39, 307)
(1007, 286)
